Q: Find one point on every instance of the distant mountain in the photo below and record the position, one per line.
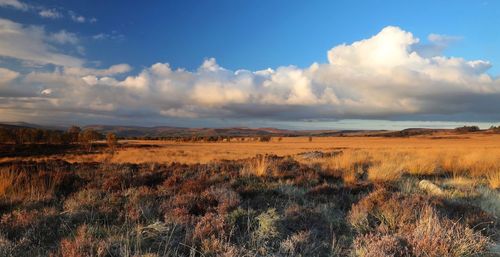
(21, 124)
(412, 132)
(170, 131)
(165, 131)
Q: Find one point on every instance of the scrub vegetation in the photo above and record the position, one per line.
(433, 195)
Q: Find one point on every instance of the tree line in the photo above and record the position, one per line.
(21, 135)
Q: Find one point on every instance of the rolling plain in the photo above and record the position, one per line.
(435, 194)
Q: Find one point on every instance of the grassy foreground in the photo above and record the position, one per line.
(312, 199)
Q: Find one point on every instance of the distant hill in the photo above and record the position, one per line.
(29, 125)
(165, 131)
(171, 131)
(412, 132)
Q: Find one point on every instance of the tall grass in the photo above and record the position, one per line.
(494, 179)
(20, 185)
(259, 166)
(390, 164)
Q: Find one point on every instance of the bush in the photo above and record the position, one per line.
(466, 129)
(386, 221)
(378, 245)
(265, 138)
(267, 225)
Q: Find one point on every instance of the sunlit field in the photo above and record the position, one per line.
(144, 151)
(432, 195)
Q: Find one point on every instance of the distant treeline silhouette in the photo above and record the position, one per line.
(264, 138)
(23, 135)
(75, 135)
(465, 129)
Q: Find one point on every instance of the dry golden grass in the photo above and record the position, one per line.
(188, 152)
(385, 171)
(494, 179)
(379, 158)
(6, 181)
(262, 205)
(260, 166)
(15, 185)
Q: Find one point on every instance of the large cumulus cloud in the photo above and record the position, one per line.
(389, 75)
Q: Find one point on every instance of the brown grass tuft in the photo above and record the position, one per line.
(494, 179)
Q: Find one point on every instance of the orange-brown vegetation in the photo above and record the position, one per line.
(431, 195)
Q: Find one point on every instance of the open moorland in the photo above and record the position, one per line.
(431, 194)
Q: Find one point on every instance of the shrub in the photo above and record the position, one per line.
(210, 225)
(112, 141)
(298, 244)
(412, 219)
(265, 138)
(267, 224)
(94, 204)
(466, 129)
(82, 244)
(141, 204)
(378, 245)
(6, 246)
(434, 236)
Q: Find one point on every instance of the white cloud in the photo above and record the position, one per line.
(64, 37)
(46, 12)
(114, 35)
(14, 4)
(76, 18)
(7, 75)
(379, 77)
(442, 39)
(31, 44)
(99, 36)
(46, 91)
(50, 14)
(113, 70)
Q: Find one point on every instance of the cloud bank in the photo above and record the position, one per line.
(391, 75)
(14, 4)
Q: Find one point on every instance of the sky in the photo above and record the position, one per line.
(291, 64)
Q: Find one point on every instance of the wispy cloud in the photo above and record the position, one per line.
(7, 75)
(76, 18)
(14, 4)
(50, 14)
(114, 35)
(64, 37)
(44, 12)
(33, 44)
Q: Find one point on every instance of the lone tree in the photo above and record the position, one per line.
(88, 136)
(73, 133)
(112, 141)
(310, 138)
(265, 138)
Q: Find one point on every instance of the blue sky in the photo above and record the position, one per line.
(300, 41)
(260, 34)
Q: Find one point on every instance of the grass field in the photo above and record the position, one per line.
(144, 151)
(433, 195)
